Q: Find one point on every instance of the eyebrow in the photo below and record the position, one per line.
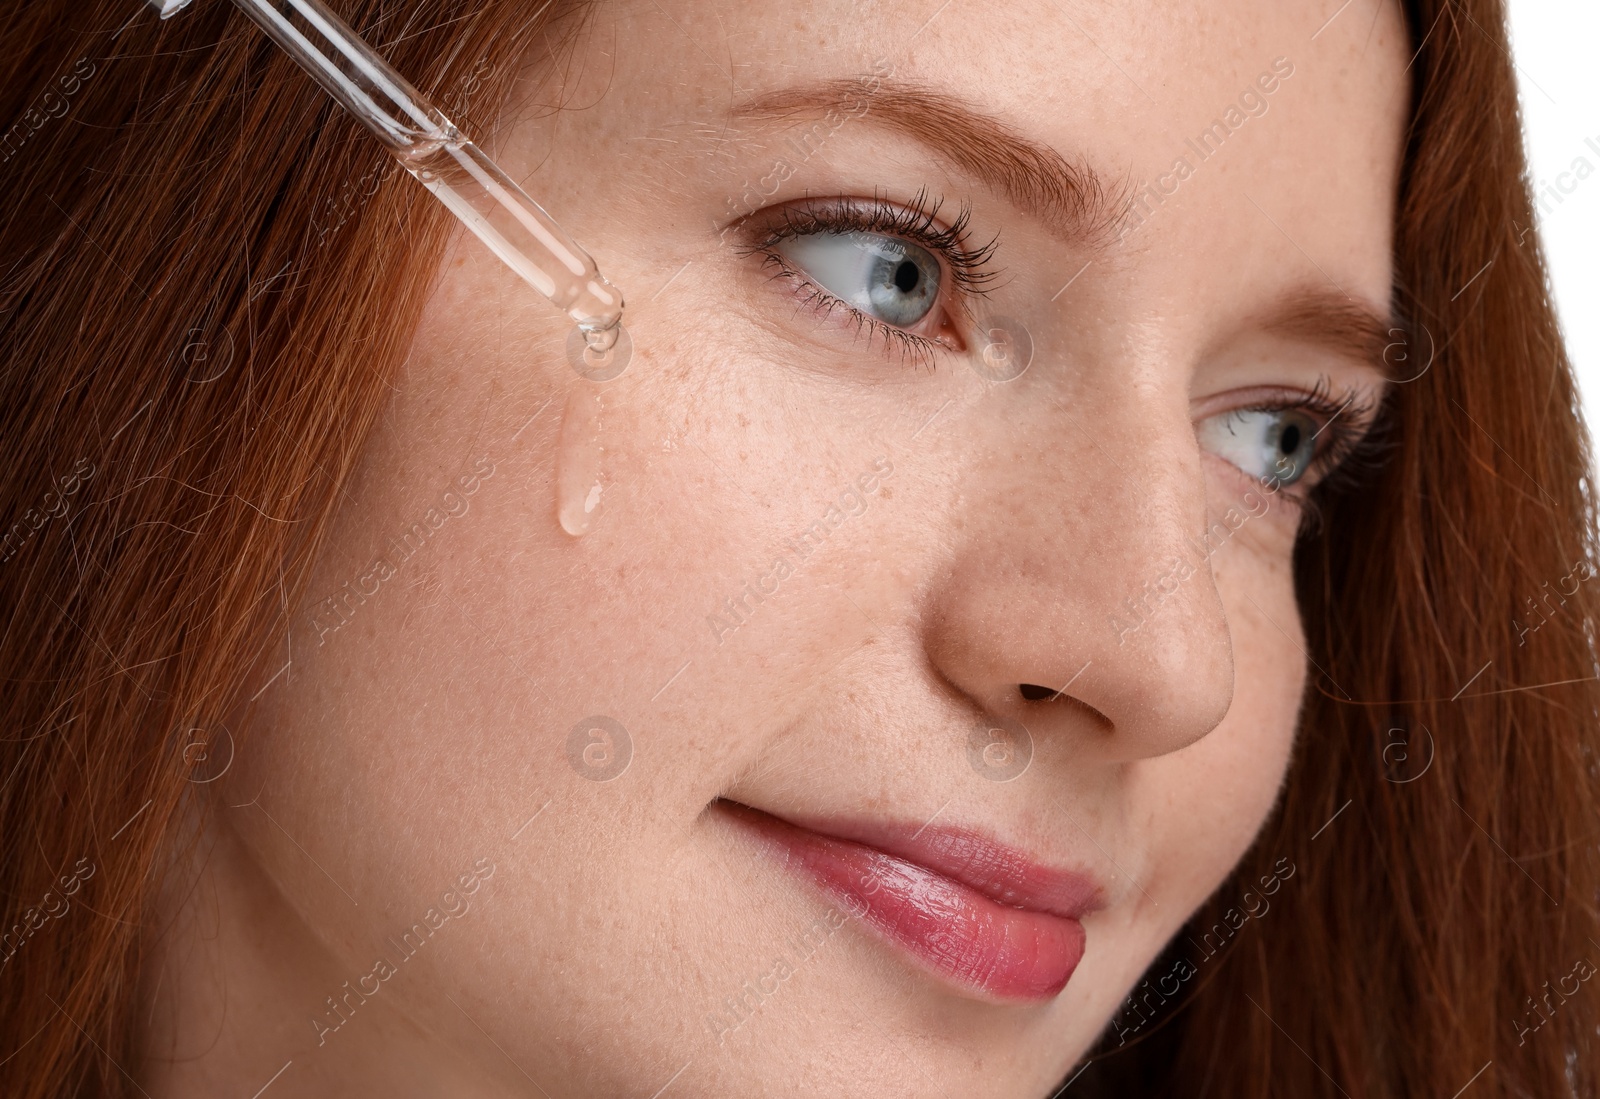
(1077, 203)
(1073, 200)
(1343, 325)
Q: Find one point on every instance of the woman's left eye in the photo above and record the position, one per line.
(1265, 443)
(891, 280)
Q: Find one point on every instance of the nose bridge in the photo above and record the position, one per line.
(1091, 577)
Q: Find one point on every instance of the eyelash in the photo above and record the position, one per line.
(1349, 423)
(968, 267)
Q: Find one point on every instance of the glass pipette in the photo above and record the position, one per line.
(428, 145)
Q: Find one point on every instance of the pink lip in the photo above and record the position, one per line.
(974, 911)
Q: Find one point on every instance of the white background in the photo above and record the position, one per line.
(1556, 45)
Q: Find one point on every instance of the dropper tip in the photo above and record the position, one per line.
(602, 340)
(598, 353)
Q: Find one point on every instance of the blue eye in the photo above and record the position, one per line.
(888, 279)
(1265, 443)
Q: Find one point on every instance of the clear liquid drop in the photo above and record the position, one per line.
(601, 340)
(578, 487)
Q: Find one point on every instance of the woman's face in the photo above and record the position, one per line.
(895, 707)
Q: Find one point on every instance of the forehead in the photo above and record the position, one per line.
(1257, 138)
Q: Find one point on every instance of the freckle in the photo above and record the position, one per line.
(886, 492)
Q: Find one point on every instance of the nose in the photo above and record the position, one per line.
(1075, 598)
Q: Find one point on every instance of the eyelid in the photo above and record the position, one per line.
(1347, 421)
(917, 221)
(965, 270)
(1355, 403)
(819, 298)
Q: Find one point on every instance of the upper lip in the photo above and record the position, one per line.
(965, 855)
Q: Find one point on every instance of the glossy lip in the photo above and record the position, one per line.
(975, 912)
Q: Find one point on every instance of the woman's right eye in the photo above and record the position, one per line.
(890, 280)
(1266, 443)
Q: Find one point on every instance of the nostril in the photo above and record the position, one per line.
(1032, 692)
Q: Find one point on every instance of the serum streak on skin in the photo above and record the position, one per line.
(578, 461)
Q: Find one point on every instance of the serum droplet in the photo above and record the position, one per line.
(578, 486)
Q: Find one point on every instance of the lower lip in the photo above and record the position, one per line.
(960, 934)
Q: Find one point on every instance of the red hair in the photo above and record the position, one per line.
(206, 293)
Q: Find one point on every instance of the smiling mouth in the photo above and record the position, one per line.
(979, 915)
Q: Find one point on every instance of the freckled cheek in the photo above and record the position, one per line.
(1263, 545)
(1230, 779)
(1254, 575)
(1217, 795)
(1257, 591)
